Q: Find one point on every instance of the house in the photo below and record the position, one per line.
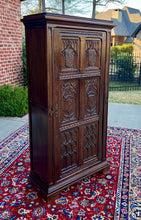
(128, 29)
(137, 40)
(10, 42)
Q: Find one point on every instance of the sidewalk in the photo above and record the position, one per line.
(119, 115)
(124, 115)
(9, 124)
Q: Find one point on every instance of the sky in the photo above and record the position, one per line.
(130, 3)
(82, 9)
(87, 10)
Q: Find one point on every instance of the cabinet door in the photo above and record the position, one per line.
(78, 88)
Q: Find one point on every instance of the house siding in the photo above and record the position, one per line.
(117, 40)
(137, 44)
(10, 42)
(138, 36)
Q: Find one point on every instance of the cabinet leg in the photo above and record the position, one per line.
(106, 170)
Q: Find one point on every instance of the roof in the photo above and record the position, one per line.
(129, 40)
(137, 30)
(128, 20)
(132, 10)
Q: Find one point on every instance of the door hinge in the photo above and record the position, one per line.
(50, 111)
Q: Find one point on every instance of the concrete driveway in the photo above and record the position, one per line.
(124, 115)
(119, 115)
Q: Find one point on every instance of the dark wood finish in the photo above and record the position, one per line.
(68, 62)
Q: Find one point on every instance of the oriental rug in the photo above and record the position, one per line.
(115, 195)
(13, 146)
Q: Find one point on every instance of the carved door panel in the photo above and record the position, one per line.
(77, 99)
(92, 54)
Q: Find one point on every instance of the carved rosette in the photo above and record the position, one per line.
(90, 141)
(69, 99)
(91, 93)
(69, 148)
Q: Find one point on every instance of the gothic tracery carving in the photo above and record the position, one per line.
(90, 137)
(92, 53)
(91, 87)
(69, 51)
(69, 92)
(69, 148)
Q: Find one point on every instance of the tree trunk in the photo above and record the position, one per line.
(94, 9)
(63, 7)
(41, 4)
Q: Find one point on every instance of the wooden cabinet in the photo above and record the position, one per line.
(68, 61)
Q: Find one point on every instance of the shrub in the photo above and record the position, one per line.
(13, 101)
(126, 67)
(125, 48)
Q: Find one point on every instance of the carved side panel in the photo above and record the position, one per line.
(69, 54)
(91, 96)
(69, 100)
(93, 54)
(69, 140)
(90, 141)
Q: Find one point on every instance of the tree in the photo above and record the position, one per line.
(51, 6)
(63, 7)
(80, 7)
(85, 5)
(69, 7)
(103, 3)
(41, 4)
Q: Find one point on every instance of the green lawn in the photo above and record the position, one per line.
(118, 84)
(129, 97)
(123, 86)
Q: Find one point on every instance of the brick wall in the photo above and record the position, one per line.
(10, 42)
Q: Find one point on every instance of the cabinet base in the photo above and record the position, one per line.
(51, 192)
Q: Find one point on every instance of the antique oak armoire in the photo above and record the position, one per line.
(68, 61)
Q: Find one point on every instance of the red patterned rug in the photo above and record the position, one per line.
(115, 195)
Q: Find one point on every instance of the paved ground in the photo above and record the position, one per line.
(8, 125)
(124, 115)
(119, 115)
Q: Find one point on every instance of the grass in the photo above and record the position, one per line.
(128, 97)
(123, 86)
(118, 84)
